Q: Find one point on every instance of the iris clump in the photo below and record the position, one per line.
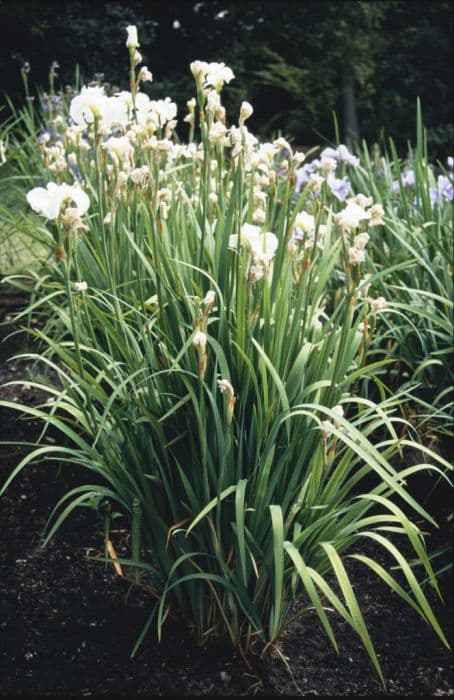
(412, 266)
(208, 309)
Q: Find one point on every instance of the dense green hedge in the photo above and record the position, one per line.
(290, 56)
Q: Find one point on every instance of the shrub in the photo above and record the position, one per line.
(210, 330)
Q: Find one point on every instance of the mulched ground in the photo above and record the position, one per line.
(67, 624)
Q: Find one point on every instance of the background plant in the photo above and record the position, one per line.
(416, 253)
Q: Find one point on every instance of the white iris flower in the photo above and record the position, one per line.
(49, 201)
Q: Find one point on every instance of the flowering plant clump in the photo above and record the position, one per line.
(216, 321)
(412, 265)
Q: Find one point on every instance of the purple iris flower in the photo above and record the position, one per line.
(445, 188)
(43, 137)
(301, 179)
(341, 154)
(303, 174)
(346, 156)
(434, 196)
(330, 153)
(408, 180)
(339, 187)
(408, 177)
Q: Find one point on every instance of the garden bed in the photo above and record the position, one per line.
(67, 624)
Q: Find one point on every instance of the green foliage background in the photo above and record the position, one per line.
(289, 56)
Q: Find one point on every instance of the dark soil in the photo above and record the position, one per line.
(68, 625)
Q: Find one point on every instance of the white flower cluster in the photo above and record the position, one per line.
(120, 110)
(360, 210)
(129, 139)
(356, 211)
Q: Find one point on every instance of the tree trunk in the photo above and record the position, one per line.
(351, 129)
